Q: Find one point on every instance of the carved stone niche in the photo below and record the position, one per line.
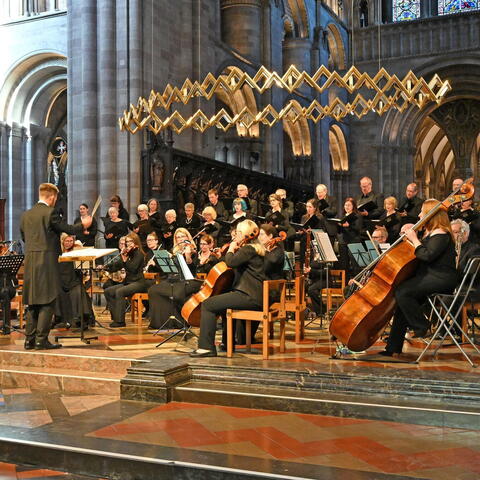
(460, 121)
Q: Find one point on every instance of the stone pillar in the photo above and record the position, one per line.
(15, 202)
(107, 114)
(297, 51)
(4, 167)
(242, 26)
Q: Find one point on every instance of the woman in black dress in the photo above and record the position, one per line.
(436, 273)
(87, 239)
(350, 228)
(115, 227)
(390, 219)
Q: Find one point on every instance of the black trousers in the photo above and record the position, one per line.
(116, 294)
(218, 305)
(411, 295)
(39, 322)
(315, 292)
(159, 297)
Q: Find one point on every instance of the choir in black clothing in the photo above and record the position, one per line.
(115, 227)
(87, 239)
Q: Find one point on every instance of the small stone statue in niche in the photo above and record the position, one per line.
(157, 172)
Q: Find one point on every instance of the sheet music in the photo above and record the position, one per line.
(89, 252)
(187, 274)
(325, 246)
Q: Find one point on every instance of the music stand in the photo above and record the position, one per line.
(324, 249)
(9, 266)
(168, 266)
(360, 255)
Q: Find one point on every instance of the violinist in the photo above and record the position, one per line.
(167, 297)
(390, 219)
(115, 227)
(115, 278)
(350, 228)
(168, 228)
(246, 256)
(132, 259)
(274, 259)
(205, 259)
(436, 273)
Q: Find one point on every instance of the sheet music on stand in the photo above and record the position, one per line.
(361, 256)
(187, 274)
(9, 266)
(324, 246)
(372, 250)
(165, 262)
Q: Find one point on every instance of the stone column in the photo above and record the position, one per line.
(4, 169)
(242, 26)
(107, 114)
(15, 202)
(297, 51)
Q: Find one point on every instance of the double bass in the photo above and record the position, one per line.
(361, 319)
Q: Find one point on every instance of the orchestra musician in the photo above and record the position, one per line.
(40, 229)
(115, 227)
(73, 297)
(205, 259)
(465, 247)
(456, 184)
(246, 294)
(435, 273)
(151, 265)
(87, 239)
(410, 205)
(116, 201)
(252, 205)
(168, 228)
(390, 219)
(115, 278)
(132, 259)
(167, 298)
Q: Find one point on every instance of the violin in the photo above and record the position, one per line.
(361, 319)
(271, 244)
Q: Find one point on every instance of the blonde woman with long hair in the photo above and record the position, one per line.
(246, 256)
(435, 273)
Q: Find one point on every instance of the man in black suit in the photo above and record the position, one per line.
(217, 204)
(40, 228)
(327, 206)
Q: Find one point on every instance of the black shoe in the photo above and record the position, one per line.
(386, 353)
(222, 347)
(208, 353)
(47, 346)
(66, 325)
(117, 325)
(29, 345)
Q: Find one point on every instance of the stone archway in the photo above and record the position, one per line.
(336, 47)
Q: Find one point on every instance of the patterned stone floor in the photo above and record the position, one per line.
(9, 471)
(259, 440)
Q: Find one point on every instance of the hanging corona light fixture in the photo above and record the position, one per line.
(384, 91)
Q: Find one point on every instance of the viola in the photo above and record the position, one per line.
(361, 319)
(273, 242)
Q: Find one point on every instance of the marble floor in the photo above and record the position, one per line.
(230, 437)
(10, 471)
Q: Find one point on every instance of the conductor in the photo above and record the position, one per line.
(40, 228)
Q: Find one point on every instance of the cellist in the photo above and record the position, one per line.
(248, 262)
(435, 273)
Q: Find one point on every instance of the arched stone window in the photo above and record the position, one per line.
(406, 10)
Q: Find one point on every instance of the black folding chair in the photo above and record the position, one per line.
(447, 309)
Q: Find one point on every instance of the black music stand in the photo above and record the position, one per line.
(9, 266)
(168, 266)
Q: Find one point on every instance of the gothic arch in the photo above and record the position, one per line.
(338, 148)
(239, 100)
(336, 47)
(31, 87)
(298, 12)
(299, 134)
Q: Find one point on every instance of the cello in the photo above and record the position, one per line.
(361, 319)
(219, 279)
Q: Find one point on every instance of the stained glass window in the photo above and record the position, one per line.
(406, 10)
(455, 6)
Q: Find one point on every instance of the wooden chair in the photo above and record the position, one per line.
(335, 293)
(201, 276)
(272, 311)
(17, 303)
(296, 304)
(137, 307)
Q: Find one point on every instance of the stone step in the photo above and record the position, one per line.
(374, 407)
(60, 380)
(79, 359)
